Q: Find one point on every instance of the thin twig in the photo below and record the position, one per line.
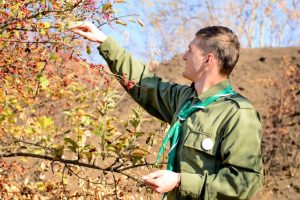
(38, 85)
(83, 178)
(34, 144)
(51, 158)
(136, 166)
(115, 185)
(62, 181)
(117, 18)
(5, 98)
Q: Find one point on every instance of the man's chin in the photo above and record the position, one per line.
(186, 76)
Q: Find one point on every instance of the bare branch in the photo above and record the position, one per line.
(73, 162)
(115, 186)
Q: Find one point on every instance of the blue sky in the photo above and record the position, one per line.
(133, 37)
(141, 41)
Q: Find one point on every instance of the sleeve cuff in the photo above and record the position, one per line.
(191, 184)
(108, 45)
(110, 50)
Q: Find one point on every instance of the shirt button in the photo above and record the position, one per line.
(207, 144)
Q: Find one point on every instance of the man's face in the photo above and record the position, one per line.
(194, 60)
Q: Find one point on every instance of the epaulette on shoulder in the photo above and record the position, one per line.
(240, 101)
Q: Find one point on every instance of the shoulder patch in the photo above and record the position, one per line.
(241, 101)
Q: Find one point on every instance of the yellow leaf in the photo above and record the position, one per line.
(2, 96)
(139, 153)
(120, 1)
(47, 25)
(21, 15)
(16, 33)
(40, 65)
(29, 130)
(40, 186)
(45, 121)
(107, 7)
(6, 35)
(18, 107)
(140, 23)
(43, 31)
(121, 22)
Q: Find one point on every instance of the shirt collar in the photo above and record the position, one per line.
(213, 90)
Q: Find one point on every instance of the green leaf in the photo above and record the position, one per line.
(86, 147)
(135, 122)
(44, 82)
(72, 142)
(89, 147)
(72, 148)
(89, 156)
(59, 152)
(52, 56)
(98, 130)
(45, 122)
(139, 134)
(88, 50)
(111, 148)
(29, 130)
(86, 120)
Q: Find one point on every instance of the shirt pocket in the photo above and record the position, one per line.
(202, 141)
(199, 152)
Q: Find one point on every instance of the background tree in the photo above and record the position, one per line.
(257, 23)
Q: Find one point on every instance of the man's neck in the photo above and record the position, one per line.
(206, 83)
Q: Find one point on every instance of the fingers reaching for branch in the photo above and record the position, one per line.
(89, 31)
(162, 180)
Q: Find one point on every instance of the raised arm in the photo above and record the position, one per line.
(160, 98)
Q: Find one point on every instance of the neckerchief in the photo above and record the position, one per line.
(174, 132)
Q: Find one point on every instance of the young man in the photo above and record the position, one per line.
(215, 134)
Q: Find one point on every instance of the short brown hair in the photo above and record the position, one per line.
(223, 43)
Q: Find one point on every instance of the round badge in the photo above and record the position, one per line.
(207, 144)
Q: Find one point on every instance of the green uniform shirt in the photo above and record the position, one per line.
(232, 168)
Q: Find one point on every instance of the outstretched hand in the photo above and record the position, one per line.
(162, 180)
(89, 31)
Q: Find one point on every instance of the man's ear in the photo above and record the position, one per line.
(209, 58)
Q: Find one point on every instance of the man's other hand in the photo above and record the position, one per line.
(162, 181)
(88, 31)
